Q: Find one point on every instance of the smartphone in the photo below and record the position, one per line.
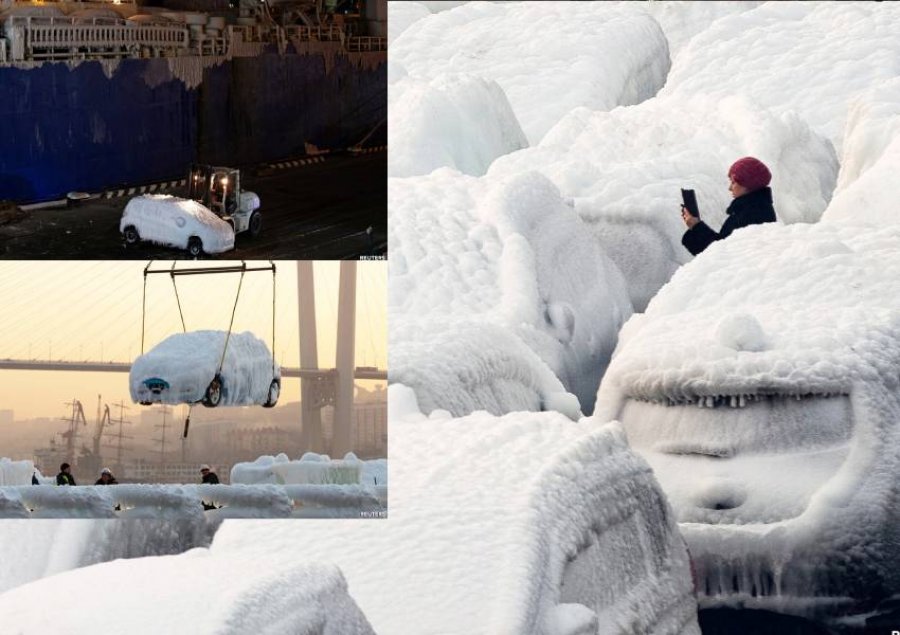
(689, 200)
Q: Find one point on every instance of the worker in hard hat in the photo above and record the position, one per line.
(106, 478)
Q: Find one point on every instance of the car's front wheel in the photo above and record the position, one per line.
(195, 247)
(131, 235)
(213, 395)
(255, 224)
(274, 391)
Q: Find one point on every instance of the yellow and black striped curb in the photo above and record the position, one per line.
(143, 189)
(295, 163)
(368, 150)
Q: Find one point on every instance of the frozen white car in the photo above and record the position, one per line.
(763, 386)
(184, 368)
(175, 222)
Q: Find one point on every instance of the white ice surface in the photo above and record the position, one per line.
(403, 14)
(196, 592)
(280, 469)
(812, 58)
(548, 57)
(493, 523)
(15, 472)
(496, 281)
(625, 169)
(458, 121)
(172, 221)
(189, 361)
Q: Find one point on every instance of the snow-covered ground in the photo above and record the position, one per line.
(179, 369)
(196, 592)
(771, 421)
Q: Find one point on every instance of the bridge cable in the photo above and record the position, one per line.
(178, 300)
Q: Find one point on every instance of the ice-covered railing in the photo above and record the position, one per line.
(41, 38)
(321, 33)
(187, 501)
(365, 43)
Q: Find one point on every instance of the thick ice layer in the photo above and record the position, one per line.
(625, 169)
(517, 514)
(32, 549)
(549, 57)
(197, 592)
(180, 368)
(401, 15)
(280, 469)
(172, 221)
(870, 160)
(475, 257)
(15, 472)
(458, 121)
(812, 58)
(763, 386)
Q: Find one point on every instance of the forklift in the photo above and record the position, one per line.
(219, 190)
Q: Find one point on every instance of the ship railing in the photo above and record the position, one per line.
(65, 38)
(330, 33)
(365, 44)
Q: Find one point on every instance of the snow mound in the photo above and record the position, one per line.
(870, 159)
(808, 57)
(625, 169)
(280, 469)
(458, 121)
(583, 503)
(401, 15)
(187, 362)
(195, 592)
(548, 57)
(475, 257)
(15, 472)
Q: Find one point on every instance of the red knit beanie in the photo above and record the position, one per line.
(751, 173)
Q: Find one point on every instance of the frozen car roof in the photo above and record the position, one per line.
(485, 514)
(171, 220)
(187, 362)
(196, 592)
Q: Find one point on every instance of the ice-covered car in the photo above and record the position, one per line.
(185, 368)
(175, 222)
(763, 386)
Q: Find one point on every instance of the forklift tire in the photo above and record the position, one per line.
(195, 247)
(131, 235)
(255, 224)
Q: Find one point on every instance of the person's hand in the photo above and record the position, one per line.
(689, 219)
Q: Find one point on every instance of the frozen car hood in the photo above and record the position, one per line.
(170, 220)
(762, 386)
(187, 362)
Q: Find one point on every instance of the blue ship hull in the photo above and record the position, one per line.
(79, 127)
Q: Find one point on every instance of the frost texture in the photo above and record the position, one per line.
(505, 509)
(552, 56)
(499, 299)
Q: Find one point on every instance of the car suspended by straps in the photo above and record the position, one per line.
(188, 368)
(211, 367)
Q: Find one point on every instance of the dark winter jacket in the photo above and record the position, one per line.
(211, 479)
(111, 481)
(753, 208)
(65, 479)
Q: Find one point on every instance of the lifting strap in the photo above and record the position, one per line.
(144, 306)
(187, 421)
(231, 324)
(177, 299)
(273, 319)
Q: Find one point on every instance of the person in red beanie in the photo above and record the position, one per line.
(752, 205)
